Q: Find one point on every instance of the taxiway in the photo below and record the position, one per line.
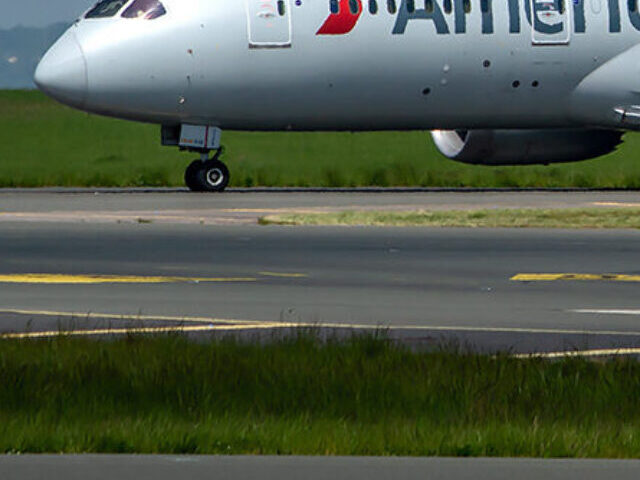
(165, 467)
(226, 273)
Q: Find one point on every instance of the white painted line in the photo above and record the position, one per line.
(606, 311)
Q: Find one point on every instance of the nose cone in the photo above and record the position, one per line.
(62, 73)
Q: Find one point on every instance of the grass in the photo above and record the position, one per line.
(45, 144)
(364, 396)
(489, 218)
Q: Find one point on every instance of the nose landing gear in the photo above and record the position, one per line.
(207, 175)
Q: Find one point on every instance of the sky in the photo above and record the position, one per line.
(38, 13)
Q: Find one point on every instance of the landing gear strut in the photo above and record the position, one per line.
(207, 174)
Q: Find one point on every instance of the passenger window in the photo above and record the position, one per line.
(560, 6)
(447, 6)
(354, 7)
(467, 6)
(281, 8)
(373, 7)
(391, 6)
(428, 6)
(146, 9)
(411, 6)
(105, 8)
(334, 7)
(484, 6)
(633, 5)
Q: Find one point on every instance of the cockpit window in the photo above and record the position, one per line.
(105, 8)
(147, 9)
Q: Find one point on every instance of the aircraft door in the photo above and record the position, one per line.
(550, 21)
(269, 23)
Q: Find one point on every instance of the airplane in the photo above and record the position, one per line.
(498, 82)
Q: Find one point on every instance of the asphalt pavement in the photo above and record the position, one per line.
(246, 206)
(161, 467)
(106, 262)
(426, 286)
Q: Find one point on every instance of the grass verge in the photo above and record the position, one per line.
(364, 396)
(45, 144)
(489, 218)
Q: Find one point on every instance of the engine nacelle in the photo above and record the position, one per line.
(524, 147)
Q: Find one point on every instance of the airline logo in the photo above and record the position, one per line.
(342, 22)
(548, 15)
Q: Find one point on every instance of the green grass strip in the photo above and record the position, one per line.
(364, 396)
(43, 143)
(489, 218)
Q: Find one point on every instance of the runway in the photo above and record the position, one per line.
(99, 268)
(164, 467)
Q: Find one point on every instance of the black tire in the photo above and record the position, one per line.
(191, 176)
(209, 176)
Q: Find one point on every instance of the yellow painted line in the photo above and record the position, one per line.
(283, 275)
(551, 277)
(106, 331)
(278, 325)
(53, 279)
(601, 352)
(249, 210)
(276, 211)
(127, 317)
(454, 328)
(266, 325)
(232, 324)
(212, 322)
(139, 330)
(616, 204)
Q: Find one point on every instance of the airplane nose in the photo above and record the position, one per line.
(62, 72)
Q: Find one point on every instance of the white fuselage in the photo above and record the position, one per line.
(222, 63)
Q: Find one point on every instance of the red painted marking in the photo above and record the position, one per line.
(341, 23)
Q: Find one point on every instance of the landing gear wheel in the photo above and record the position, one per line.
(209, 176)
